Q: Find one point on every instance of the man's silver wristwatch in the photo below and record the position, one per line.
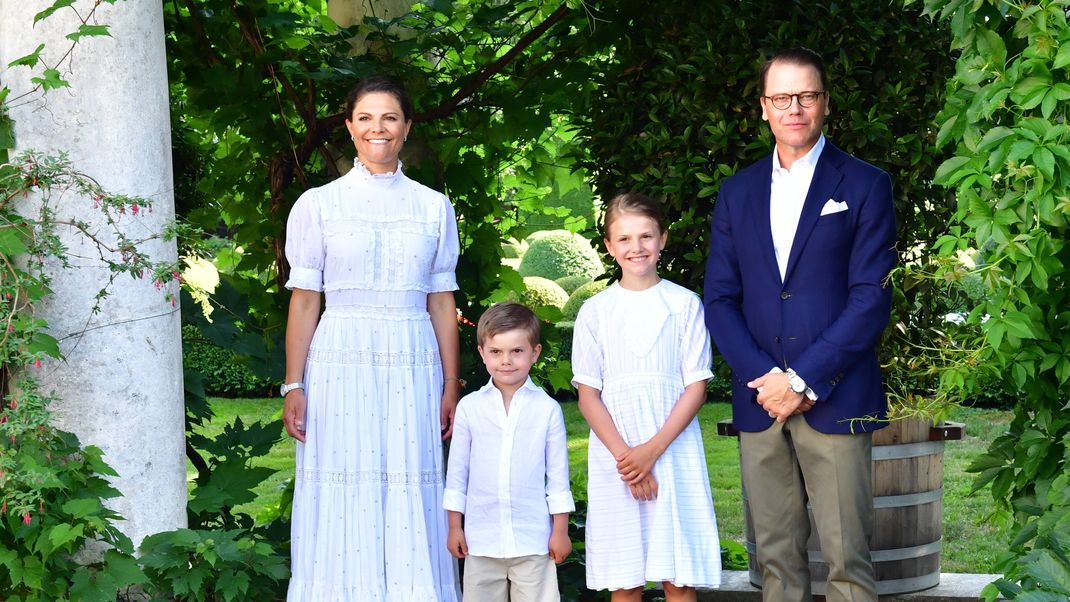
(796, 383)
(284, 389)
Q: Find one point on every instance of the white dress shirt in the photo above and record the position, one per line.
(787, 194)
(508, 473)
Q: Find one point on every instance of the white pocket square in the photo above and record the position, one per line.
(832, 206)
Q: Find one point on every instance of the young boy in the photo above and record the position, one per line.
(508, 470)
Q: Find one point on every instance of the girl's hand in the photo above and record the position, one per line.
(560, 546)
(293, 414)
(456, 543)
(451, 394)
(635, 463)
(646, 489)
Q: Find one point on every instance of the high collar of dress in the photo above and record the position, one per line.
(361, 173)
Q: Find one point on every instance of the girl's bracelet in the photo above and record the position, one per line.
(460, 381)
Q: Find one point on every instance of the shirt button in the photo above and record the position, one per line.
(785, 295)
(776, 339)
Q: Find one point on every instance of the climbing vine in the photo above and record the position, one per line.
(1005, 116)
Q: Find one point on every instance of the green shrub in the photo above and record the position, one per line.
(224, 374)
(213, 564)
(540, 291)
(583, 293)
(571, 283)
(536, 235)
(559, 253)
(560, 208)
(53, 493)
(565, 328)
(514, 249)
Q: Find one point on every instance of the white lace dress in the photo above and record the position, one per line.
(640, 349)
(368, 523)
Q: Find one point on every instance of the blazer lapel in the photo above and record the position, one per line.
(827, 178)
(759, 203)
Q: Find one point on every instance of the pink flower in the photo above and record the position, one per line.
(14, 403)
(37, 363)
(26, 518)
(134, 208)
(3, 508)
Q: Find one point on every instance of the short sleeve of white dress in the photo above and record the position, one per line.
(304, 244)
(444, 265)
(695, 353)
(587, 363)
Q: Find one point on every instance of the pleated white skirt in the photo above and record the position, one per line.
(368, 523)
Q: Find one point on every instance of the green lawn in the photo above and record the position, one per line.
(971, 540)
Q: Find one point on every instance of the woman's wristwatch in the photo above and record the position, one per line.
(286, 388)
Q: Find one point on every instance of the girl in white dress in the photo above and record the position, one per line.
(641, 359)
(372, 385)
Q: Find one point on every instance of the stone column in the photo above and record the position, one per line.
(120, 387)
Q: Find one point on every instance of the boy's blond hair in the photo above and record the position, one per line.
(507, 316)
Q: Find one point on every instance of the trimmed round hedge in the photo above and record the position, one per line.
(571, 283)
(559, 253)
(576, 299)
(513, 249)
(541, 291)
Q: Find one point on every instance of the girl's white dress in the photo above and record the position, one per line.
(640, 349)
(368, 523)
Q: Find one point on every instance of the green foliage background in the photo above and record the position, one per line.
(513, 98)
(1006, 116)
(677, 107)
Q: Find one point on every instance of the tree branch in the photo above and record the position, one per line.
(282, 168)
(200, 34)
(452, 104)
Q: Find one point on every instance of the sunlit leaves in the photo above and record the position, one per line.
(48, 12)
(50, 79)
(1016, 181)
(86, 30)
(30, 60)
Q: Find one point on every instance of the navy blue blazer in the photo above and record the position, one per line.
(825, 319)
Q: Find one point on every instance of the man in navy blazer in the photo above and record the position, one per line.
(796, 298)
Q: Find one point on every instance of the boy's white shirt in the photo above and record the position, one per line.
(508, 473)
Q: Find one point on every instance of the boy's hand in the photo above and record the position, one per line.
(456, 543)
(646, 489)
(635, 464)
(560, 546)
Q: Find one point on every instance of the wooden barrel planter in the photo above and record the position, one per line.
(908, 476)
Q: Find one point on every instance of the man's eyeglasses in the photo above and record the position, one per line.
(783, 101)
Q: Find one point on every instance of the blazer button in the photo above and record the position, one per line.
(785, 295)
(776, 339)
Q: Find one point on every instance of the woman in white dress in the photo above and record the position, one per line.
(372, 384)
(640, 361)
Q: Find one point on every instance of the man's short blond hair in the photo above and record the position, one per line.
(507, 316)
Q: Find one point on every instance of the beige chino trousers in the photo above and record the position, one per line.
(521, 579)
(783, 468)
